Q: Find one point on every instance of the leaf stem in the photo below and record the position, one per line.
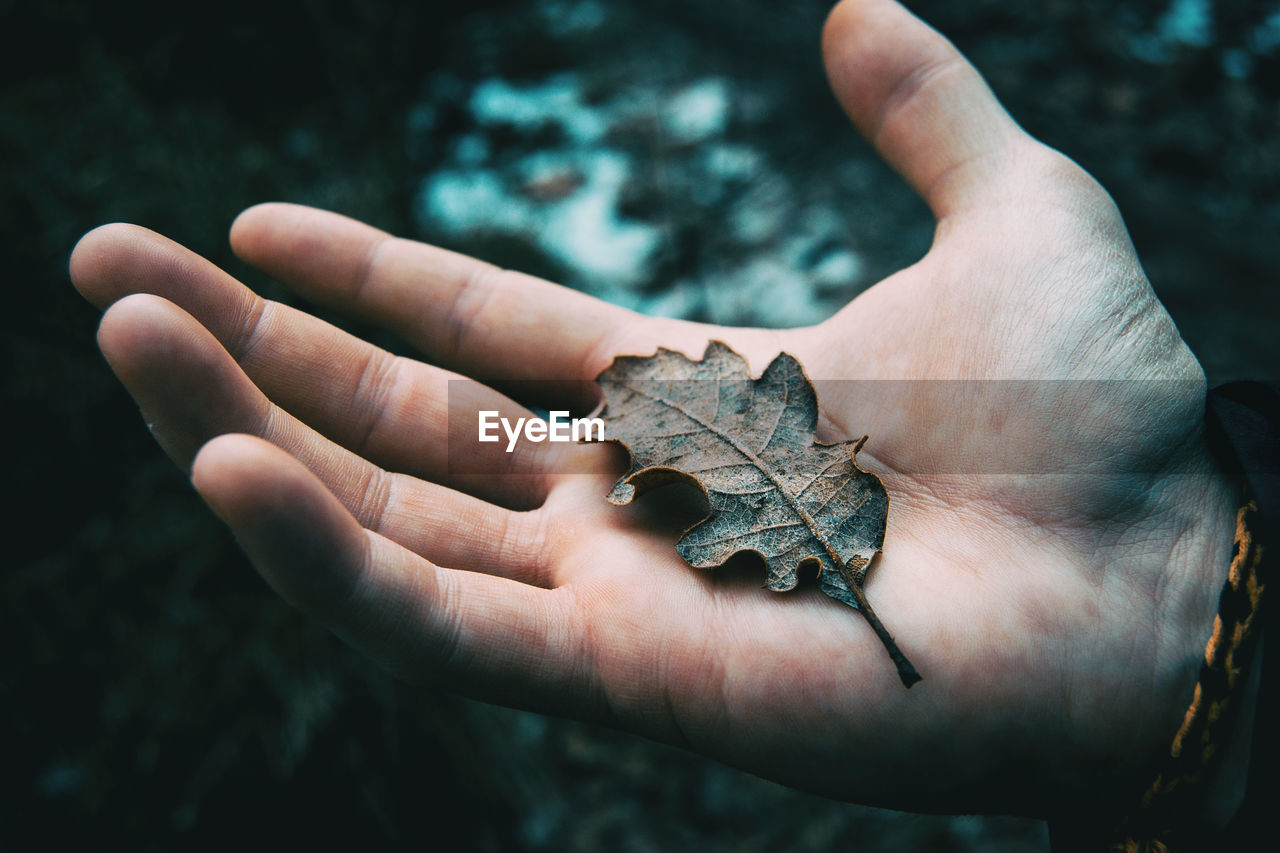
(906, 671)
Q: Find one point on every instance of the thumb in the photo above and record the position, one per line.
(926, 110)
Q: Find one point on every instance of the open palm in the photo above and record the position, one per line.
(1051, 546)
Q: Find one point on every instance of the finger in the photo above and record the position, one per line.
(471, 316)
(485, 636)
(190, 390)
(400, 413)
(922, 105)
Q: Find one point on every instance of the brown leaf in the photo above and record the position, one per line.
(749, 445)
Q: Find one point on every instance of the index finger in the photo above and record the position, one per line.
(490, 637)
(493, 324)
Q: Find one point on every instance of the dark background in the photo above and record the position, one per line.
(156, 695)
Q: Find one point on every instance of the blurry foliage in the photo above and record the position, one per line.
(156, 694)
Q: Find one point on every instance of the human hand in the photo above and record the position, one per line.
(1058, 618)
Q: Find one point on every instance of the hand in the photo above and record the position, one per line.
(1057, 604)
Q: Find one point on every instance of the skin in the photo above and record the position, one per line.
(1057, 602)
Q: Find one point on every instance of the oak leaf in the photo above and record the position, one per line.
(749, 445)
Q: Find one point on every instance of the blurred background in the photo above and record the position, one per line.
(683, 158)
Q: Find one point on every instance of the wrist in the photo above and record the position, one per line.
(1134, 698)
(1200, 784)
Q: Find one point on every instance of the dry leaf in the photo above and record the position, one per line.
(749, 445)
